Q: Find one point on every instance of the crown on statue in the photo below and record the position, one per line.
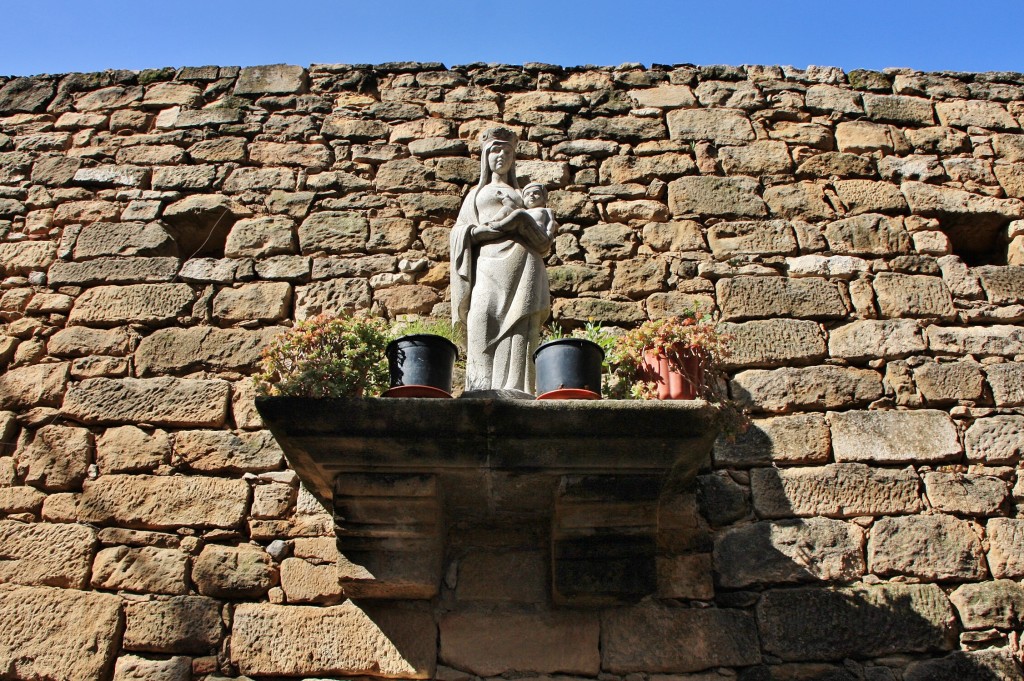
(491, 135)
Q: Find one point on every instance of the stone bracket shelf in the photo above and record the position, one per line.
(411, 480)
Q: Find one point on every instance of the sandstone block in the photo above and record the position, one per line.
(25, 94)
(219, 451)
(828, 98)
(789, 551)
(244, 571)
(862, 137)
(995, 441)
(307, 583)
(408, 299)
(980, 664)
(128, 449)
(21, 499)
(46, 554)
(932, 201)
(390, 235)
(865, 621)
(87, 626)
(972, 495)
(912, 295)
(608, 241)
(376, 639)
(893, 437)
(403, 175)
(164, 502)
(133, 668)
(899, 109)
(783, 440)
(661, 305)
(57, 459)
(747, 297)
(123, 239)
(113, 176)
(870, 338)
(626, 169)
(727, 197)
(181, 350)
(766, 157)
(165, 401)
(949, 382)
(356, 129)
(802, 200)
(931, 547)
(85, 211)
(262, 301)
(981, 114)
(841, 490)
(720, 126)
(1003, 285)
(153, 304)
(1007, 383)
(773, 342)
(218, 150)
(183, 624)
(112, 271)
(818, 387)
(22, 257)
(81, 341)
(583, 310)
(867, 235)
(1002, 340)
(274, 79)
(578, 278)
(331, 297)
(313, 156)
(1006, 548)
(619, 128)
(333, 232)
(641, 639)
(32, 386)
(771, 237)
(999, 603)
(184, 177)
(143, 570)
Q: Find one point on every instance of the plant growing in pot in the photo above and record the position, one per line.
(572, 366)
(421, 360)
(327, 356)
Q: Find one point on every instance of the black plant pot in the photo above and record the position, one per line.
(421, 366)
(569, 368)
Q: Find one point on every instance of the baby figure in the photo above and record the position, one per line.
(535, 196)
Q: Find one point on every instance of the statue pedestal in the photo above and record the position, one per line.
(414, 484)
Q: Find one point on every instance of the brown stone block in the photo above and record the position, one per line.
(244, 571)
(159, 401)
(843, 490)
(1006, 548)
(153, 304)
(748, 297)
(57, 459)
(35, 385)
(46, 554)
(891, 437)
(164, 502)
(817, 387)
(934, 547)
(144, 570)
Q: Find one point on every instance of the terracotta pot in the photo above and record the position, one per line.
(674, 384)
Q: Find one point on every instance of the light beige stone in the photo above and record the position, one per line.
(374, 639)
(245, 571)
(608, 241)
(278, 79)
(867, 235)
(747, 297)
(1003, 285)
(164, 502)
(220, 451)
(765, 157)
(727, 197)
(307, 583)
(144, 570)
(842, 490)
(261, 237)
(931, 547)
(182, 624)
(80, 341)
(22, 257)
(949, 382)
(1000, 340)
(770, 237)
(1006, 548)
(869, 339)
(310, 156)
(262, 301)
(932, 201)
(996, 440)
(179, 350)
(626, 169)
(57, 459)
(154, 304)
(773, 342)
(912, 295)
(1007, 383)
(332, 296)
(862, 137)
(818, 387)
(963, 494)
(981, 114)
(133, 668)
(899, 109)
(46, 554)
(32, 386)
(87, 626)
(159, 401)
(893, 437)
(720, 126)
(798, 201)
(782, 440)
(128, 449)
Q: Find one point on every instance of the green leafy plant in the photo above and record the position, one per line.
(433, 327)
(327, 356)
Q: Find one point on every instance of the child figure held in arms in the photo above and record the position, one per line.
(536, 233)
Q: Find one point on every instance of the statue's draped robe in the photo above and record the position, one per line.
(499, 297)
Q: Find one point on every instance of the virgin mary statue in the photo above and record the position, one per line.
(499, 285)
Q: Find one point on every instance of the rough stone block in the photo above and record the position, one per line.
(930, 547)
(134, 668)
(312, 156)
(933, 201)
(626, 169)
(765, 157)
(963, 494)
(773, 342)
(999, 603)
(32, 386)
(876, 339)
(608, 241)
(1007, 383)
(1003, 285)
(949, 382)
(995, 441)
(378, 640)
(153, 304)
(505, 576)
(261, 301)
(46, 554)
(841, 490)
(159, 401)
(867, 621)
(273, 79)
(307, 583)
(1001, 339)
(127, 239)
(961, 665)
(143, 570)
(181, 350)
(1006, 548)
(164, 502)
(862, 137)
(981, 114)
(789, 551)
(333, 232)
(817, 387)
(128, 449)
(783, 440)
(867, 235)
(57, 459)
(899, 109)
(22, 257)
(645, 639)
(114, 270)
(727, 197)
(914, 296)
(86, 625)
(802, 200)
(769, 237)
(331, 297)
(183, 624)
(244, 571)
(894, 437)
(720, 126)
(762, 297)
(220, 451)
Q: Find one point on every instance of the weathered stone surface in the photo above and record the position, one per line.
(124, 239)
(23, 257)
(375, 639)
(773, 342)
(899, 109)
(766, 157)
(862, 137)
(184, 177)
(182, 350)
(998, 665)
(931, 547)
(113, 176)
(964, 494)
(625, 169)
(312, 156)
(133, 668)
(46, 554)
(783, 440)
(331, 297)
(1007, 383)
(620, 128)
(998, 603)
(789, 551)
(144, 570)
(333, 232)
(866, 621)
(1003, 285)
(25, 94)
(802, 200)
(931, 201)
(128, 449)
(720, 126)
(259, 179)
(976, 113)
(913, 295)
(154, 304)
(642, 639)
(583, 310)
(304, 582)
(949, 382)
(608, 241)
(842, 490)
(869, 339)
(728, 197)
(87, 626)
(244, 571)
(160, 401)
(770, 237)
(164, 502)
(996, 441)
(57, 459)
(894, 437)
(32, 386)
(261, 301)
(85, 211)
(218, 150)
(273, 79)
(112, 271)
(1006, 548)
(184, 624)
(215, 451)
(818, 387)
(1002, 340)
(867, 235)
(761, 297)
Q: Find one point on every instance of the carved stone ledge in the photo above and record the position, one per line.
(414, 482)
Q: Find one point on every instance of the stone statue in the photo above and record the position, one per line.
(500, 294)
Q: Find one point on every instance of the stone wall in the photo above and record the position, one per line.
(861, 235)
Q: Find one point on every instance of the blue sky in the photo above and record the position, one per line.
(49, 36)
